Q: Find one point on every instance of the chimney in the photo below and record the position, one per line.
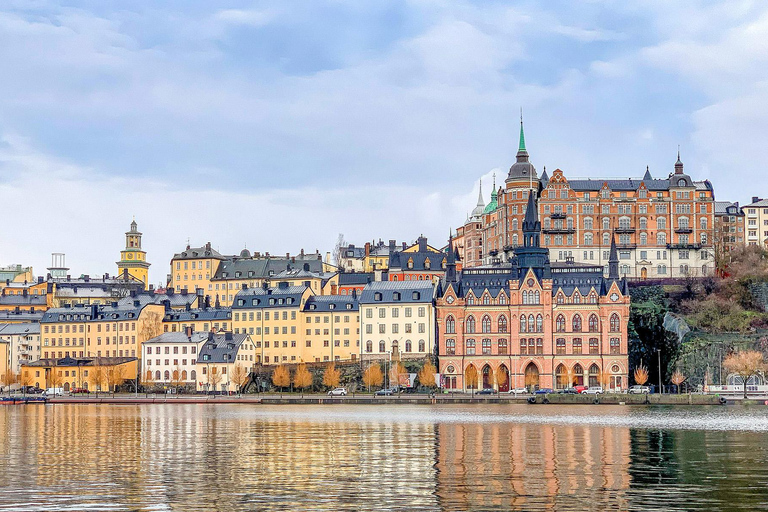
(189, 332)
(114, 304)
(293, 259)
(302, 252)
(136, 303)
(94, 311)
(170, 291)
(422, 244)
(151, 288)
(245, 286)
(187, 307)
(287, 255)
(39, 279)
(133, 293)
(391, 246)
(166, 305)
(354, 293)
(87, 278)
(228, 336)
(184, 291)
(208, 246)
(755, 199)
(367, 249)
(207, 302)
(69, 277)
(264, 285)
(328, 256)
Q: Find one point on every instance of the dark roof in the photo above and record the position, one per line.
(404, 289)
(399, 260)
(19, 329)
(179, 337)
(354, 252)
(280, 297)
(727, 208)
(325, 303)
(92, 313)
(176, 300)
(235, 268)
(23, 300)
(351, 278)
(12, 316)
(198, 314)
(198, 252)
(631, 184)
(221, 348)
(82, 361)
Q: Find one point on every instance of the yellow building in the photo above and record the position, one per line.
(92, 373)
(194, 267)
(133, 261)
(331, 327)
(198, 320)
(224, 361)
(5, 348)
(115, 330)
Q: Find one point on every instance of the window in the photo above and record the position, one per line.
(523, 324)
(450, 346)
(594, 323)
(523, 347)
(615, 323)
(539, 323)
(450, 325)
(577, 345)
(486, 326)
(486, 346)
(560, 323)
(470, 325)
(560, 346)
(470, 347)
(539, 345)
(408, 345)
(502, 324)
(369, 346)
(503, 346)
(576, 323)
(615, 345)
(661, 238)
(382, 346)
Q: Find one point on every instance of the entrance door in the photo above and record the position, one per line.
(532, 376)
(502, 379)
(487, 377)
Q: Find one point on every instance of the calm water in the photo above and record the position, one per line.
(515, 457)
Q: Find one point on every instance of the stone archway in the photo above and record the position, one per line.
(578, 375)
(502, 378)
(561, 377)
(532, 376)
(487, 377)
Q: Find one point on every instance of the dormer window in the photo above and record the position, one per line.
(396, 296)
(416, 295)
(349, 306)
(377, 296)
(427, 264)
(271, 302)
(410, 263)
(331, 306)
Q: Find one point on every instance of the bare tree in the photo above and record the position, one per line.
(239, 376)
(338, 250)
(96, 377)
(745, 364)
(281, 377)
(151, 326)
(213, 378)
(9, 379)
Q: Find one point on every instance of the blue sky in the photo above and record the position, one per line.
(281, 124)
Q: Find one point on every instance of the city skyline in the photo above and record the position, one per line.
(270, 109)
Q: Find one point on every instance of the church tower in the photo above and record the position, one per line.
(133, 260)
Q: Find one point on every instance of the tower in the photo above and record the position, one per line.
(522, 172)
(613, 260)
(531, 254)
(133, 261)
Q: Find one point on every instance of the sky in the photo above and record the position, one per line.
(277, 126)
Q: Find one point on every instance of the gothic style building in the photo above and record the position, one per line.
(665, 227)
(529, 322)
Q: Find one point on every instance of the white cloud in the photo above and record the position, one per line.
(251, 17)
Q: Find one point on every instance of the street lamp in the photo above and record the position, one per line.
(661, 389)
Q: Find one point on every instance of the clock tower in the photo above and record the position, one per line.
(133, 260)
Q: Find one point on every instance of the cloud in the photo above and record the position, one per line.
(587, 35)
(253, 18)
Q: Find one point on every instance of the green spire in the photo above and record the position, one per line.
(522, 135)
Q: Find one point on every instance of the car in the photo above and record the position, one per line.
(338, 392)
(78, 391)
(386, 392)
(568, 391)
(639, 390)
(486, 391)
(543, 391)
(594, 390)
(518, 391)
(580, 388)
(31, 390)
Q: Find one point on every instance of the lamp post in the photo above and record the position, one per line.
(661, 390)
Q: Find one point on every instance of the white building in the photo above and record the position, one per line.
(23, 344)
(171, 357)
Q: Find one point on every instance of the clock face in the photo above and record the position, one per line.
(449, 300)
(614, 297)
(130, 256)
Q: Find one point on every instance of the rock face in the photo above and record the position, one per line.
(677, 325)
(760, 293)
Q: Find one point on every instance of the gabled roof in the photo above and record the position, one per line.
(220, 348)
(397, 292)
(259, 298)
(326, 303)
(399, 260)
(178, 337)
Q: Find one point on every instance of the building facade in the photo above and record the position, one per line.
(92, 373)
(533, 323)
(170, 360)
(23, 344)
(756, 222)
(224, 361)
(133, 260)
(665, 226)
(419, 262)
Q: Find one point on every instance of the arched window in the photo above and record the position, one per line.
(588, 239)
(157, 375)
(594, 372)
(470, 300)
(470, 325)
(643, 223)
(515, 240)
(525, 297)
(184, 375)
(661, 223)
(703, 223)
(450, 325)
(193, 375)
(536, 297)
(643, 239)
(486, 299)
(560, 323)
(576, 297)
(175, 375)
(606, 223)
(369, 346)
(576, 323)
(486, 324)
(539, 323)
(588, 223)
(167, 375)
(502, 298)
(502, 324)
(615, 323)
(661, 238)
(531, 324)
(561, 376)
(422, 346)
(606, 239)
(523, 324)
(594, 323)
(514, 224)
(382, 346)
(408, 345)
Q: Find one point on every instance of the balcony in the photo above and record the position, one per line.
(694, 247)
(559, 231)
(625, 229)
(684, 230)
(558, 215)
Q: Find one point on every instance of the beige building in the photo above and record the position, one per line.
(756, 222)
(23, 344)
(224, 362)
(397, 318)
(170, 359)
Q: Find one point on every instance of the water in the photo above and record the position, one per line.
(464, 457)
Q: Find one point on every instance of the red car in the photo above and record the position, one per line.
(581, 389)
(76, 391)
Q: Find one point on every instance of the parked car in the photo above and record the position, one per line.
(543, 391)
(594, 390)
(79, 391)
(518, 391)
(31, 390)
(486, 391)
(338, 392)
(580, 388)
(639, 390)
(386, 392)
(54, 392)
(568, 391)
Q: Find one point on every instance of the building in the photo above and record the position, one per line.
(224, 362)
(272, 317)
(373, 257)
(199, 320)
(92, 373)
(354, 282)
(665, 226)
(397, 319)
(193, 268)
(729, 230)
(133, 260)
(331, 328)
(112, 330)
(352, 259)
(23, 344)
(19, 300)
(419, 262)
(19, 317)
(756, 219)
(15, 274)
(539, 324)
(170, 360)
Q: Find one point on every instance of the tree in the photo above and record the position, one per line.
(745, 364)
(281, 377)
(677, 379)
(331, 376)
(176, 380)
(9, 379)
(147, 382)
(55, 378)
(151, 326)
(302, 379)
(239, 376)
(470, 378)
(25, 379)
(641, 375)
(338, 250)
(427, 375)
(96, 376)
(501, 378)
(213, 378)
(373, 376)
(395, 371)
(118, 375)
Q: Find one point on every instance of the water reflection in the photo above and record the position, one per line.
(233, 457)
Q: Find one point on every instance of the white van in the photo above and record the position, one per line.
(54, 391)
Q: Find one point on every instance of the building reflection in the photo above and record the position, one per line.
(531, 466)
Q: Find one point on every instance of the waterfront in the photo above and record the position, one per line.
(450, 457)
